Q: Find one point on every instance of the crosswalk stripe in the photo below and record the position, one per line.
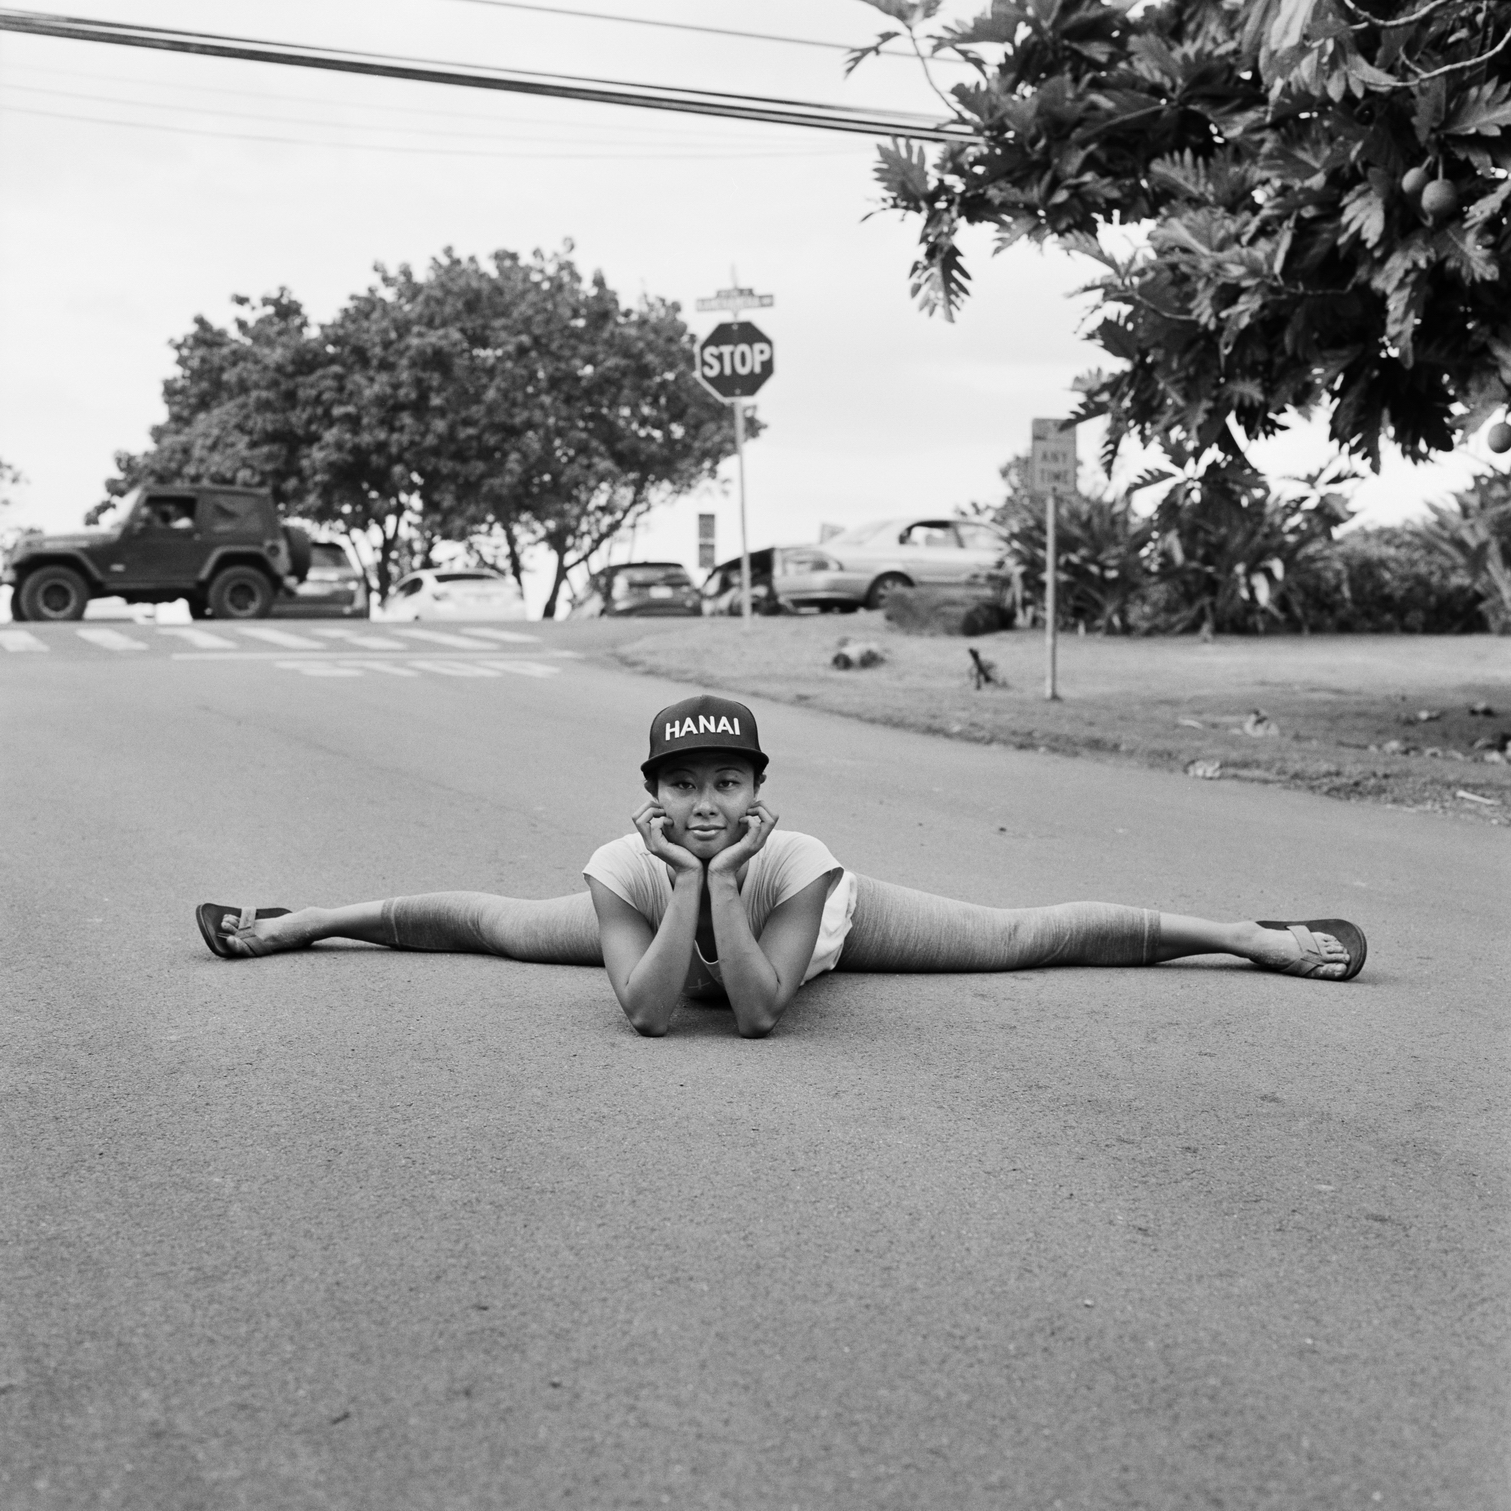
(367, 642)
(439, 637)
(22, 640)
(514, 636)
(203, 639)
(111, 640)
(282, 637)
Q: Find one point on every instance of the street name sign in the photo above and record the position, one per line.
(737, 299)
(734, 360)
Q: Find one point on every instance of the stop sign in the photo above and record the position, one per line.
(734, 360)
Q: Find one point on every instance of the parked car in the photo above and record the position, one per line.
(909, 552)
(645, 589)
(223, 549)
(784, 579)
(456, 593)
(335, 586)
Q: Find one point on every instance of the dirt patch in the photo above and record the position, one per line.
(1337, 715)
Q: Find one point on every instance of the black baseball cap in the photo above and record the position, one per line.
(704, 723)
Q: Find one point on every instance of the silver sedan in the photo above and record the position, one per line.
(909, 552)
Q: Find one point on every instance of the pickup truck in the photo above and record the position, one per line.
(223, 549)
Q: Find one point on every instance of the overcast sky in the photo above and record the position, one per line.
(140, 189)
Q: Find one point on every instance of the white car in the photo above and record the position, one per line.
(908, 552)
(459, 593)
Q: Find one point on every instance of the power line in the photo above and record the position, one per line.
(293, 141)
(655, 129)
(820, 117)
(69, 94)
(707, 31)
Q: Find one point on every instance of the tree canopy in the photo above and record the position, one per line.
(1324, 186)
(508, 405)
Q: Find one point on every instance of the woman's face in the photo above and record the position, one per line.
(705, 796)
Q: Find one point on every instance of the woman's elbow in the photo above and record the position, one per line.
(756, 1025)
(648, 1022)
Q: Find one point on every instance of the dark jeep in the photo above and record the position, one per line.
(223, 549)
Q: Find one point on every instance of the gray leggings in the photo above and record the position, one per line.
(894, 929)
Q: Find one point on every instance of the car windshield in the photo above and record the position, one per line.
(653, 577)
(858, 535)
(326, 554)
(476, 578)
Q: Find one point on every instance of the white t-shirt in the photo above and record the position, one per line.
(780, 869)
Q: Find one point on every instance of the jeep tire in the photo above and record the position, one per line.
(53, 593)
(241, 593)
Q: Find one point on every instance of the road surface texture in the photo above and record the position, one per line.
(368, 1229)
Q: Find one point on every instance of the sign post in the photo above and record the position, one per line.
(734, 361)
(1052, 471)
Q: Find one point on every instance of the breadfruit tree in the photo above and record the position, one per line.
(1323, 190)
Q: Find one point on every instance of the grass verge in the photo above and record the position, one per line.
(1341, 715)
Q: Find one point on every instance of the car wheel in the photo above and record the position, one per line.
(881, 589)
(847, 608)
(17, 612)
(53, 593)
(241, 593)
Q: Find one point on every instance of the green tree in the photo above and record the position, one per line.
(1324, 185)
(235, 408)
(570, 417)
(505, 405)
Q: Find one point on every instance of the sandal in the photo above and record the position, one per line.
(211, 918)
(1312, 960)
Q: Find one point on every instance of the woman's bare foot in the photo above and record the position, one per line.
(269, 936)
(1275, 949)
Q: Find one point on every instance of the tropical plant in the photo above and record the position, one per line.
(1324, 185)
(1382, 581)
(1100, 550)
(1314, 198)
(1474, 533)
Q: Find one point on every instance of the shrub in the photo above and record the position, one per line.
(1384, 582)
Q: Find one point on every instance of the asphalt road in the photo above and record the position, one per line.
(371, 1230)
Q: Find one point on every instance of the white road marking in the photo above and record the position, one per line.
(111, 640)
(22, 640)
(319, 668)
(455, 668)
(513, 636)
(391, 667)
(203, 639)
(439, 637)
(523, 668)
(281, 637)
(324, 666)
(368, 642)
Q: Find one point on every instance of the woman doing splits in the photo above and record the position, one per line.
(708, 899)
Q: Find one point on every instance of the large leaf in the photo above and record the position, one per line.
(909, 12)
(1363, 214)
(1481, 111)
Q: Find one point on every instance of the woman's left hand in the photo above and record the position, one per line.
(759, 822)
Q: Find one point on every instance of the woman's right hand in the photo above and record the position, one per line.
(651, 820)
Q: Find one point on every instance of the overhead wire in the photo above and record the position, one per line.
(67, 94)
(707, 31)
(682, 100)
(533, 155)
(656, 128)
(644, 129)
